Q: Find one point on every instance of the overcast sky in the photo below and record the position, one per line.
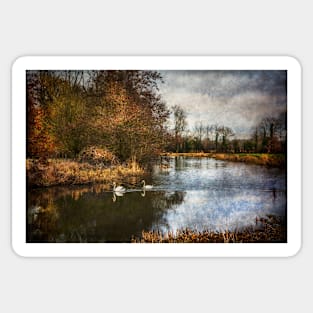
(237, 99)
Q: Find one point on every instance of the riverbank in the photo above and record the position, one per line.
(55, 172)
(267, 230)
(272, 160)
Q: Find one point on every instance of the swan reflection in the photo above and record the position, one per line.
(117, 194)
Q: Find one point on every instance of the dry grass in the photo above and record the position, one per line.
(69, 172)
(189, 154)
(274, 160)
(270, 229)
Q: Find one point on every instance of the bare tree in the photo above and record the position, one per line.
(273, 133)
(216, 131)
(208, 131)
(226, 132)
(199, 131)
(180, 125)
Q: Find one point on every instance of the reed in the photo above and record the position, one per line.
(70, 172)
(269, 229)
(271, 160)
(189, 154)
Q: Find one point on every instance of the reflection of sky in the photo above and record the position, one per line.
(206, 210)
(237, 99)
(196, 193)
(220, 195)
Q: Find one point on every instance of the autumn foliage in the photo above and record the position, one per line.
(40, 142)
(118, 111)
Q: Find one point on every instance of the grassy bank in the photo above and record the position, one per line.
(269, 229)
(55, 172)
(275, 160)
(189, 154)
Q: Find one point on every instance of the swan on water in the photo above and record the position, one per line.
(118, 194)
(144, 186)
(118, 189)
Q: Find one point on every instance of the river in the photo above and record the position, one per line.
(198, 193)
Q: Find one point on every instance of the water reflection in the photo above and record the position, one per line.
(103, 217)
(196, 193)
(222, 195)
(117, 194)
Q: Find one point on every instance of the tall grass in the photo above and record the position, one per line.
(189, 154)
(270, 229)
(275, 160)
(69, 172)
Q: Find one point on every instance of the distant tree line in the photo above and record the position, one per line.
(120, 111)
(269, 136)
(123, 113)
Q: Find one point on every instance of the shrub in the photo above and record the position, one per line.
(97, 156)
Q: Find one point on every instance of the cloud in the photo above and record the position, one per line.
(237, 99)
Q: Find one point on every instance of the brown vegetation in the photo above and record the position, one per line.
(189, 154)
(273, 160)
(120, 112)
(69, 172)
(97, 156)
(269, 229)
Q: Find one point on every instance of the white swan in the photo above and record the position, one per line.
(118, 189)
(117, 193)
(144, 186)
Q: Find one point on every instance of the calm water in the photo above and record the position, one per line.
(199, 193)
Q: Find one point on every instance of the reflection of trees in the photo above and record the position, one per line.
(41, 222)
(180, 163)
(47, 194)
(164, 201)
(92, 216)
